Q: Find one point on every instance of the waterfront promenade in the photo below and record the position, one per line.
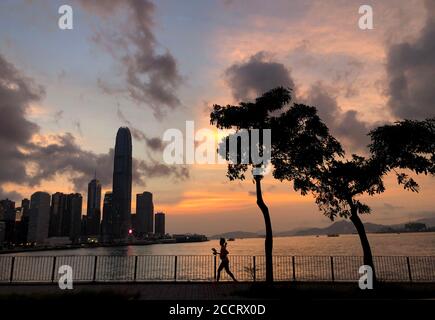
(218, 291)
(203, 268)
(193, 278)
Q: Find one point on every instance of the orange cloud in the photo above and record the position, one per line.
(215, 202)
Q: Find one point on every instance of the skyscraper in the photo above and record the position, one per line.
(8, 215)
(22, 227)
(8, 209)
(39, 216)
(73, 217)
(57, 214)
(25, 205)
(93, 211)
(122, 178)
(160, 224)
(107, 224)
(144, 213)
(2, 233)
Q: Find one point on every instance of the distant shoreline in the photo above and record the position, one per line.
(216, 237)
(84, 246)
(73, 247)
(69, 247)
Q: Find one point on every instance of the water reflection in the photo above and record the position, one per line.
(406, 244)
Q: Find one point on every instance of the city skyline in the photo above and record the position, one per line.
(79, 86)
(57, 217)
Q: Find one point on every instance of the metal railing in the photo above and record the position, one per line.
(44, 269)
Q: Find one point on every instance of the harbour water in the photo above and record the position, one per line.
(404, 244)
(399, 257)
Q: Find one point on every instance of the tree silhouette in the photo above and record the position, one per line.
(302, 147)
(297, 129)
(407, 144)
(314, 162)
(248, 116)
(334, 181)
(337, 183)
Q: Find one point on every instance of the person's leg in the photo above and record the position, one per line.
(221, 266)
(227, 269)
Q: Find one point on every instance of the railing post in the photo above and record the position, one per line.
(11, 276)
(175, 268)
(254, 268)
(53, 269)
(409, 269)
(332, 269)
(135, 269)
(294, 268)
(214, 267)
(94, 277)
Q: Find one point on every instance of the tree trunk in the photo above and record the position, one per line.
(367, 251)
(268, 243)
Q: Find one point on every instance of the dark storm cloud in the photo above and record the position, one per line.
(10, 195)
(152, 78)
(155, 144)
(344, 125)
(259, 74)
(16, 92)
(57, 154)
(411, 73)
(66, 156)
(255, 76)
(155, 169)
(323, 100)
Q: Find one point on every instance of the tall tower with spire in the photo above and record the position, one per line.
(122, 180)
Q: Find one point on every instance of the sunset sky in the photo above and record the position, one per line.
(153, 66)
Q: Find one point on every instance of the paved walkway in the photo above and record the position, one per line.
(141, 291)
(222, 291)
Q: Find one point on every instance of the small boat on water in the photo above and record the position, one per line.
(231, 239)
(331, 235)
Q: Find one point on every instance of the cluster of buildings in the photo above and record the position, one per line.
(58, 219)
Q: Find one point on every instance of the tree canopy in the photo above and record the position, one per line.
(407, 144)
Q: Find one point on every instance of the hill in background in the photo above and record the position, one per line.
(338, 227)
